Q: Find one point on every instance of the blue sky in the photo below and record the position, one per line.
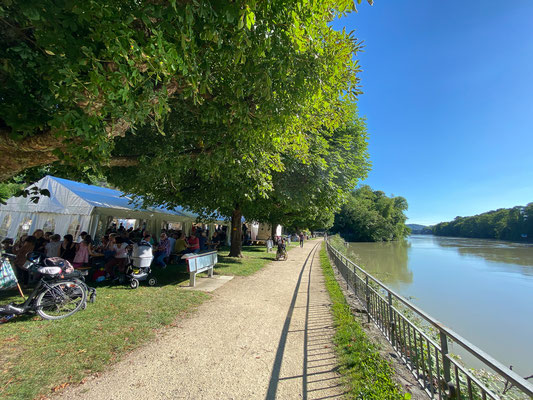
(448, 97)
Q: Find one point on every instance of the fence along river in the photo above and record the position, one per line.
(433, 270)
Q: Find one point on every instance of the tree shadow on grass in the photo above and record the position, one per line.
(254, 248)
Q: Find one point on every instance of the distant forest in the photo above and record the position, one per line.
(506, 224)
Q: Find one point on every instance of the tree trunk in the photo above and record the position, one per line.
(39, 149)
(236, 233)
(273, 230)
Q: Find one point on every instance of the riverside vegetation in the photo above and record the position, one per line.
(492, 381)
(505, 224)
(371, 216)
(365, 372)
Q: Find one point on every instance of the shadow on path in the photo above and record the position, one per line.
(319, 378)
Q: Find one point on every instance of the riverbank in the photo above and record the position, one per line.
(367, 361)
(487, 286)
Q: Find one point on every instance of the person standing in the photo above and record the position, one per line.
(301, 239)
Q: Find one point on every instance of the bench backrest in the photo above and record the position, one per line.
(202, 261)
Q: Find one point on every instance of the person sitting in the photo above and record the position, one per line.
(53, 249)
(83, 252)
(21, 251)
(181, 245)
(172, 238)
(68, 248)
(163, 251)
(203, 241)
(119, 260)
(193, 244)
(215, 241)
(108, 248)
(82, 236)
(40, 241)
(148, 237)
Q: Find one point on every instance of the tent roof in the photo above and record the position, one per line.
(70, 197)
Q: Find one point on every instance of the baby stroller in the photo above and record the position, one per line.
(138, 268)
(281, 253)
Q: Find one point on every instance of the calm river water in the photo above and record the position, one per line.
(482, 289)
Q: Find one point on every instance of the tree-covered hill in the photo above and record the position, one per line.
(505, 223)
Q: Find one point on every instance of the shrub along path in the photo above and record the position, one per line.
(264, 336)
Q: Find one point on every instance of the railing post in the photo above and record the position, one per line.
(355, 281)
(345, 274)
(446, 368)
(367, 298)
(391, 322)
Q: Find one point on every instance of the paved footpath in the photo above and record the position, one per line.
(267, 336)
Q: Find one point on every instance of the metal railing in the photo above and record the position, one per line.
(425, 354)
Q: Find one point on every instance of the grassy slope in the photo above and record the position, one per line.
(38, 356)
(367, 375)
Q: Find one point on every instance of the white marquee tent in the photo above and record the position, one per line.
(74, 207)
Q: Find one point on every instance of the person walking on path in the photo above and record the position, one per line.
(301, 239)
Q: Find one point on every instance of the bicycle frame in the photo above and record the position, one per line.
(23, 308)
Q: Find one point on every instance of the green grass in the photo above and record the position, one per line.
(38, 357)
(367, 375)
(255, 258)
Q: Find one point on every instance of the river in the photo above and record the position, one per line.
(482, 289)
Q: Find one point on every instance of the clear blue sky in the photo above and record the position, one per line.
(448, 97)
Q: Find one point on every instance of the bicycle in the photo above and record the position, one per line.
(57, 295)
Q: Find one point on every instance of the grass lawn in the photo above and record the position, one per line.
(365, 372)
(38, 357)
(255, 258)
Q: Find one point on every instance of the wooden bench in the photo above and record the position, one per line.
(200, 262)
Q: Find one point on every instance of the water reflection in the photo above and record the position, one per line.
(520, 255)
(386, 261)
(482, 289)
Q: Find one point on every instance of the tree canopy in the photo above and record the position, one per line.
(371, 216)
(77, 76)
(227, 108)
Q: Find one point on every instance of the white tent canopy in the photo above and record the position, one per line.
(74, 207)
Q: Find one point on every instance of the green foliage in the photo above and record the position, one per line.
(504, 224)
(92, 71)
(366, 373)
(371, 216)
(310, 189)
(8, 190)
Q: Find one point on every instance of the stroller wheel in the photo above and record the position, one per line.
(152, 281)
(134, 284)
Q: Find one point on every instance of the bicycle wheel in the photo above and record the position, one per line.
(60, 299)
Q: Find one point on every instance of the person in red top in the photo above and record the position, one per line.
(194, 244)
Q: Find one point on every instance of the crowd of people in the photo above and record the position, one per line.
(111, 252)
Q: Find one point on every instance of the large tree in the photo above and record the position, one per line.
(310, 190)
(371, 216)
(75, 76)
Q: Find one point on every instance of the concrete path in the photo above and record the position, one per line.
(267, 336)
